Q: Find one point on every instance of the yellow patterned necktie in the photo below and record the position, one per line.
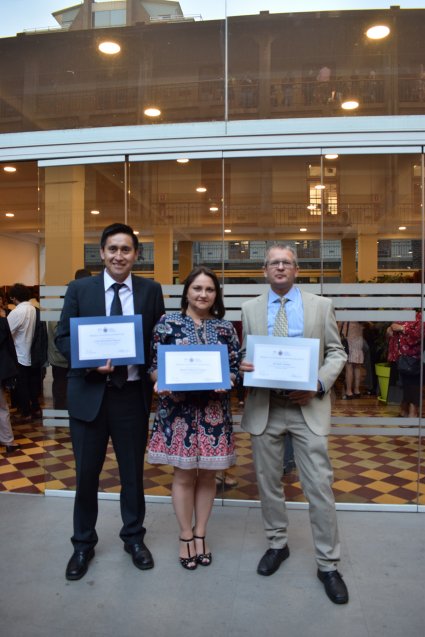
(280, 327)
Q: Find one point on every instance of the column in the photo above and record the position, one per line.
(64, 222)
(185, 259)
(163, 255)
(368, 256)
(348, 260)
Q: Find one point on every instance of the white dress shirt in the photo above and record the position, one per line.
(22, 325)
(127, 304)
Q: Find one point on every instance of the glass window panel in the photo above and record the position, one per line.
(310, 64)
(375, 453)
(173, 63)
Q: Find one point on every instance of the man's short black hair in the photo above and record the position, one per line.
(20, 292)
(118, 228)
(82, 273)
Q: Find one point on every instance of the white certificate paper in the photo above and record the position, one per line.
(99, 341)
(282, 362)
(188, 368)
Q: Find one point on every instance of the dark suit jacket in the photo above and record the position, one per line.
(8, 359)
(86, 297)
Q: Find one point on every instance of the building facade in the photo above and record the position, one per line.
(214, 138)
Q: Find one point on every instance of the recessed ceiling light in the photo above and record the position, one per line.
(136, 232)
(9, 214)
(377, 32)
(95, 212)
(350, 105)
(303, 229)
(9, 169)
(227, 230)
(183, 160)
(201, 189)
(109, 47)
(152, 111)
(331, 156)
(213, 208)
(402, 228)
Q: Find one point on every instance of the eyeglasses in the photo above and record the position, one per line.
(285, 264)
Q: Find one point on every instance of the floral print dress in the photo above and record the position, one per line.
(194, 429)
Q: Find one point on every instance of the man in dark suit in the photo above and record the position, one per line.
(103, 403)
(271, 413)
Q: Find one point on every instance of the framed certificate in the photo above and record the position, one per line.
(95, 339)
(193, 367)
(282, 362)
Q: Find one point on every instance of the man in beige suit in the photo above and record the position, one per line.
(270, 413)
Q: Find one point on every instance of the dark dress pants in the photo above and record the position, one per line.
(59, 386)
(124, 419)
(23, 390)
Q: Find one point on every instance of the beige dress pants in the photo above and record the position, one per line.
(316, 476)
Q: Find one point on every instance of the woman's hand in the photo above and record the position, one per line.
(245, 366)
(163, 392)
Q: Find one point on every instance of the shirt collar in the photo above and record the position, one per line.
(109, 281)
(291, 295)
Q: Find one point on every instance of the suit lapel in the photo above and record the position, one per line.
(138, 294)
(309, 314)
(261, 315)
(99, 303)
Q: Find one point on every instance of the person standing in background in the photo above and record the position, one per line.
(8, 371)
(22, 322)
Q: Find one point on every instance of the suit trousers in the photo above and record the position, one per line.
(6, 433)
(123, 418)
(316, 476)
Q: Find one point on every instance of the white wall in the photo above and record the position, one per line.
(19, 261)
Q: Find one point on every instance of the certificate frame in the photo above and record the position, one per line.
(165, 356)
(306, 379)
(106, 323)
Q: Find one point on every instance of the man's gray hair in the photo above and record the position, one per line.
(281, 246)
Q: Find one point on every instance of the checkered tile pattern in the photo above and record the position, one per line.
(367, 469)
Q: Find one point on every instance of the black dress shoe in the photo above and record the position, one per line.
(141, 555)
(334, 585)
(271, 560)
(12, 448)
(78, 564)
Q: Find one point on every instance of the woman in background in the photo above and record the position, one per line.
(405, 340)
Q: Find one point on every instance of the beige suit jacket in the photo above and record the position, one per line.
(319, 322)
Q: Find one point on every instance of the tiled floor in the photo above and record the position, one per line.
(379, 469)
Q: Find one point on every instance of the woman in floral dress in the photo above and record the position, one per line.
(192, 431)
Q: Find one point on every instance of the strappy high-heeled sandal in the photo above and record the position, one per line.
(204, 559)
(189, 562)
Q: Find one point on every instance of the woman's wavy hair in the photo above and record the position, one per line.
(217, 309)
